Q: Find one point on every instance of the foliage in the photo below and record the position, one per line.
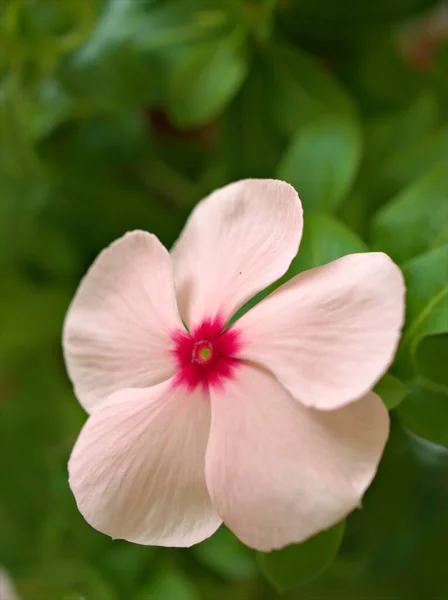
(122, 114)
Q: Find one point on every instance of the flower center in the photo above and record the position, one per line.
(208, 356)
(202, 352)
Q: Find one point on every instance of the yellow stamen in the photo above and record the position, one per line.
(205, 353)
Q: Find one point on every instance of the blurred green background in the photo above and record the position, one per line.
(122, 114)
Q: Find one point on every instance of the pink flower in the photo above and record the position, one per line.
(268, 425)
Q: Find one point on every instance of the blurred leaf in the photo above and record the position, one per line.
(401, 146)
(70, 581)
(29, 314)
(301, 89)
(104, 139)
(49, 255)
(169, 585)
(21, 201)
(18, 157)
(412, 162)
(155, 24)
(425, 413)
(432, 359)
(427, 301)
(322, 162)
(380, 74)
(37, 35)
(438, 74)
(391, 390)
(389, 134)
(301, 563)
(133, 47)
(120, 77)
(426, 279)
(387, 137)
(403, 519)
(126, 563)
(50, 106)
(419, 213)
(227, 556)
(326, 19)
(250, 143)
(86, 193)
(324, 239)
(205, 79)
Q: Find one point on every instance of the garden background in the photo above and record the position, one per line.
(122, 114)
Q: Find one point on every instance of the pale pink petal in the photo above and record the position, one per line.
(236, 242)
(137, 469)
(118, 329)
(279, 472)
(330, 333)
(7, 588)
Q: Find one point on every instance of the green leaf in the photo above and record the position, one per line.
(73, 580)
(427, 303)
(22, 199)
(336, 18)
(113, 80)
(381, 76)
(153, 25)
(324, 239)
(322, 162)
(301, 563)
(50, 107)
(427, 285)
(431, 360)
(204, 81)
(438, 76)
(227, 556)
(425, 413)
(419, 213)
(129, 56)
(18, 156)
(387, 138)
(248, 149)
(391, 133)
(108, 138)
(301, 88)
(49, 254)
(170, 584)
(412, 162)
(391, 390)
(30, 315)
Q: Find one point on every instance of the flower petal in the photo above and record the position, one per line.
(236, 242)
(279, 472)
(7, 588)
(330, 333)
(137, 469)
(118, 329)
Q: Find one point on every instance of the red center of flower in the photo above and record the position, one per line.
(207, 356)
(202, 352)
